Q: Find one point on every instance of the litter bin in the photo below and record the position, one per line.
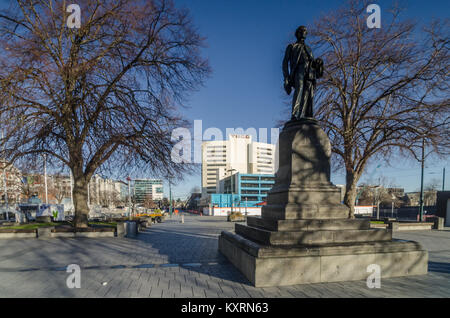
(130, 228)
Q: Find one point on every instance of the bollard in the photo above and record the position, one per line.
(182, 218)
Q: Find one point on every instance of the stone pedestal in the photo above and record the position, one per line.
(304, 234)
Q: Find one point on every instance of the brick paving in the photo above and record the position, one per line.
(172, 259)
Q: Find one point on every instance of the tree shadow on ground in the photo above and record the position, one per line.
(439, 267)
(192, 250)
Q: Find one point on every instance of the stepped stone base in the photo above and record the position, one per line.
(294, 211)
(304, 234)
(308, 225)
(266, 266)
(315, 237)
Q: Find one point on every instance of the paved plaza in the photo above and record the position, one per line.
(172, 259)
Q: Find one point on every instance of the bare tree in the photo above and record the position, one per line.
(383, 89)
(165, 202)
(105, 198)
(148, 202)
(32, 184)
(433, 185)
(195, 189)
(14, 182)
(383, 193)
(116, 198)
(26, 191)
(101, 96)
(430, 192)
(59, 187)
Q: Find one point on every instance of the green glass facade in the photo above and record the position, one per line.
(144, 188)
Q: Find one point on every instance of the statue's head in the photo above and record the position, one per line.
(301, 32)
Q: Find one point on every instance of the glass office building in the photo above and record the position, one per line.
(244, 190)
(144, 188)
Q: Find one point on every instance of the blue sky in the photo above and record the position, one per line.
(245, 46)
(246, 41)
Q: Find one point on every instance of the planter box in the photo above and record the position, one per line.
(45, 232)
(50, 232)
(120, 229)
(438, 223)
(94, 234)
(236, 218)
(44, 219)
(63, 231)
(378, 226)
(143, 223)
(95, 230)
(63, 234)
(15, 233)
(398, 226)
(415, 226)
(7, 223)
(85, 232)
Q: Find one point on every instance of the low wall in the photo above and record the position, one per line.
(14, 233)
(401, 226)
(378, 226)
(88, 232)
(224, 211)
(415, 226)
(56, 232)
(83, 234)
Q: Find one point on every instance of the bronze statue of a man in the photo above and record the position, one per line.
(300, 71)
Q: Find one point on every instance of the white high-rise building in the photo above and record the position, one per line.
(237, 154)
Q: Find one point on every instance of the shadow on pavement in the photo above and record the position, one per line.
(191, 246)
(439, 267)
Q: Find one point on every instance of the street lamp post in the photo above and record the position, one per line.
(232, 187)
(71, 191)
(378, 205)
(170, 198)
(5, 190)
(376, 199)
(392, 210)
(246, 206)
(421, 181)
(88, 194)
(129, 196)
(443, 180)
(4, 185)
(45, 178)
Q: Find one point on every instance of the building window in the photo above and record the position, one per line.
(250, 192)
(249, 185)
(248, 178)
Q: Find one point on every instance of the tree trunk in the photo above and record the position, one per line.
(350, 192)
(80, 202)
